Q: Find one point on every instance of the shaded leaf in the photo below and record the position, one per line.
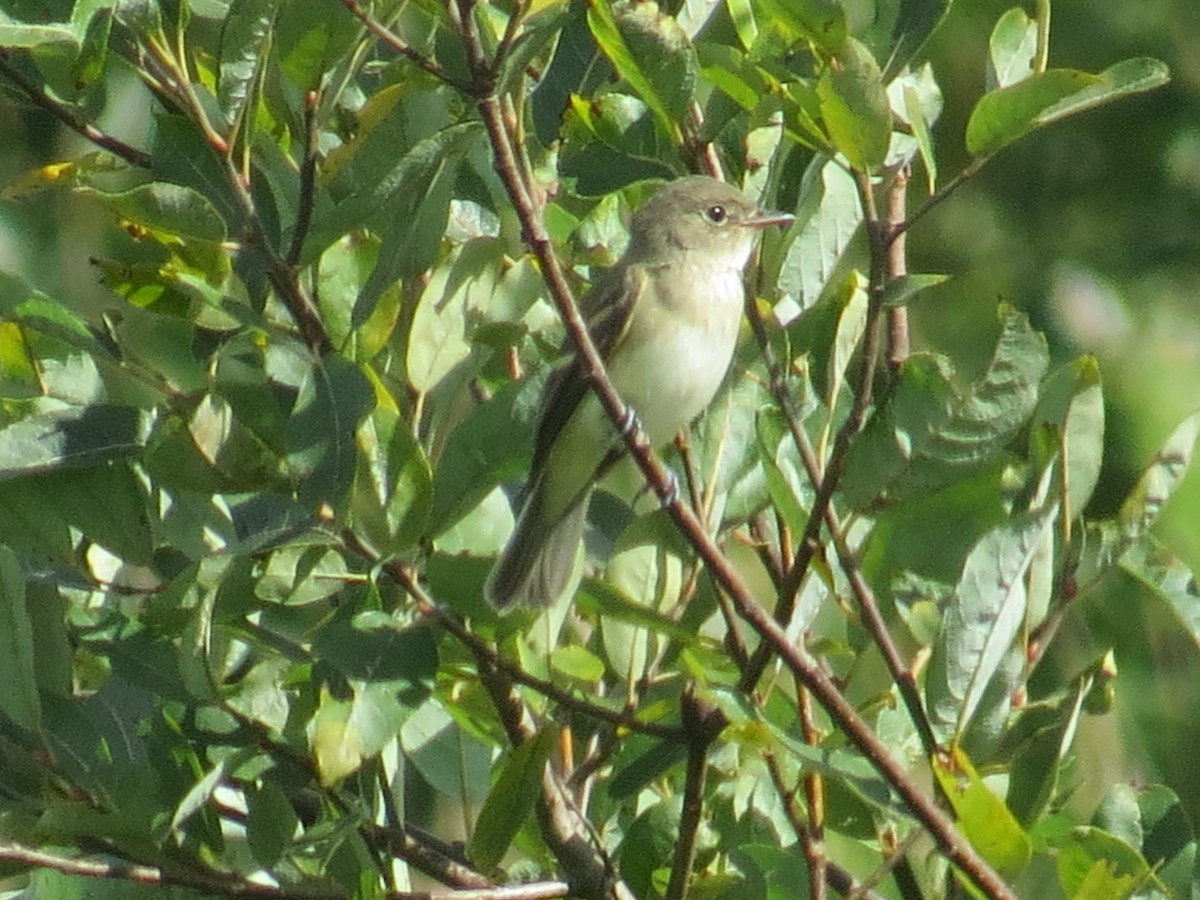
(1069, 424)
(634, 36)
(82, 436)
(19, 698)
(510, 801)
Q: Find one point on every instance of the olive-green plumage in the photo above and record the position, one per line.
(665, 320)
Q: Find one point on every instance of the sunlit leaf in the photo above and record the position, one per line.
(855, 108)
(983, 817)
(982, 621)
(1007, 114)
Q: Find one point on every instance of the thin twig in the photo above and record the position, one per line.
(394, 41)
(813, 837)
(71, 117)
(898, 340)
(703, 723)
(308, 180)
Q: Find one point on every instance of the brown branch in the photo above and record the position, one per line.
(813, 837)
(71, 117)
(208, 881)
(308, 181)
(703, 723)
(899, 344)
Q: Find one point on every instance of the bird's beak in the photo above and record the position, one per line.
(765, 218)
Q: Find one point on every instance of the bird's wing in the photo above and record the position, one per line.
(608, 309)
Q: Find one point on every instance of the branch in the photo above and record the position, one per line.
(208, 882)
(71, 117)
(394, 41)
(704, 723)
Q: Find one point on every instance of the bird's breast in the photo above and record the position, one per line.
(679, 348)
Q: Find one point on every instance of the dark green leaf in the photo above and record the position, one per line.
(82, 436)
(510, 801)
(165, 209)
(901, 291)
(373, 646)
(476, 459)
(19, 699)
(636, 35)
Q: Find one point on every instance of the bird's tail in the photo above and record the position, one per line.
(539, 559)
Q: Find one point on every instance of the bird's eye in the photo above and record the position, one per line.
(716, 214)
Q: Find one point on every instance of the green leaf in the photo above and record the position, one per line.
(393, 486)
(271, 822)
(345, 733)
(983, 817)
(321, 430)
(16, 34)
(982, 621)
(1069, 424)
(89, 66)
(312, 39)
(438, 335)
(930, 433)
(452, 761)
(577, 662)
(1160, 479)
(167, 210)
(1096, 865)
(19, 699)
(510, 801)
(107, 503)
(651, 53)
(77, 437)
(245, 42)
(855, 108)
(373, 646)
(780, 488)
(827, 218)
(1007, 114)
(1011, 49)
(901, 291)
(474, 461)
(916, 20)
(782, 24)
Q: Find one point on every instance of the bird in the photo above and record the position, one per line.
(665, 319)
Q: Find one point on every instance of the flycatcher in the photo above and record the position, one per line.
(665, 320)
